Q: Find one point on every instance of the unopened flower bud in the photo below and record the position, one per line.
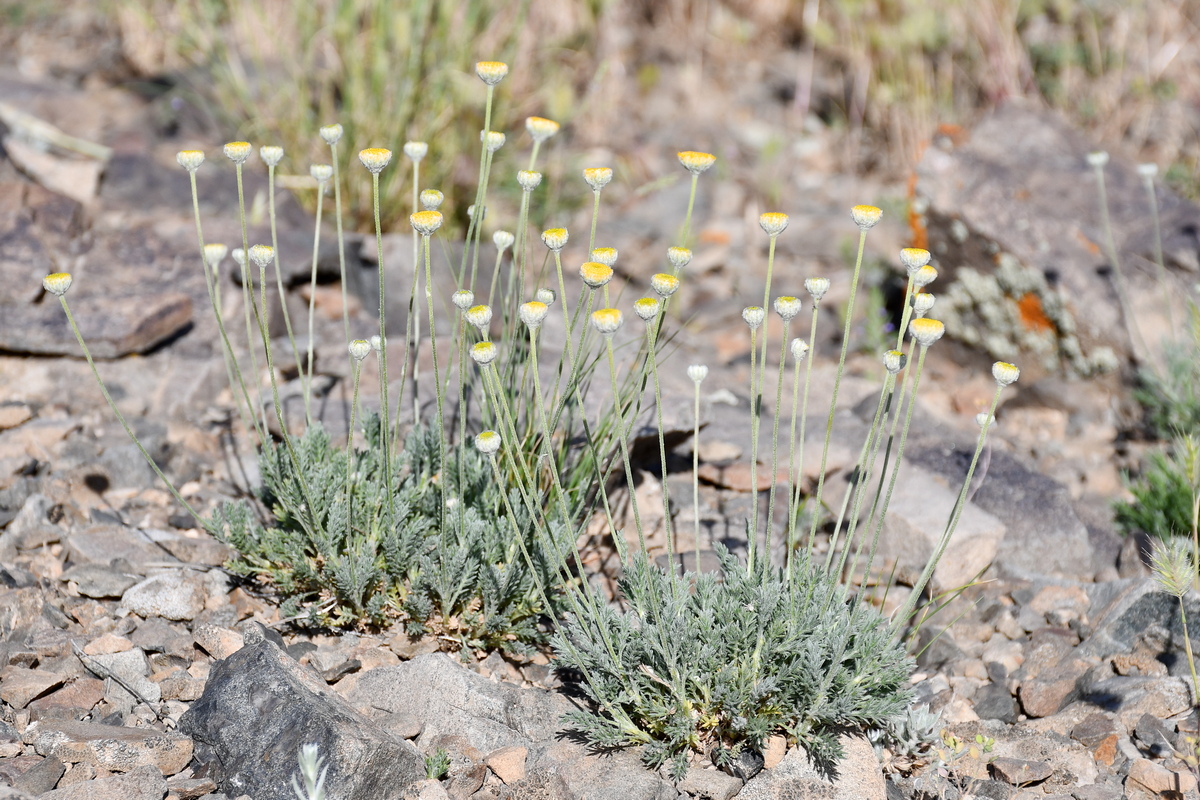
(799, 349)
(555, 238)
(546, 296)
(492, 140)
(271, 154)
(488, 443)
(1098, 158)
(463, 299)
(1005, 373)
(431, 199)
(529, 179)
(913, 258)
(816, 288)
(1147, 170)
(773, 223)
(190, 159)
(480, 316)
(754, 316)
(894, 361)
(484, 353)
(491, 72)
(647, 308)
(375, 159)
(605, 255)
(533, 313)
(697, 372)
(359, 349)
(239, 256)
(597, 177)
(416, 150)
(332, 134)
(607, 320)
(426, 222)
(214, 254)
(922, 302)
(471, 212)
(541, 128)
(679, 257)
(787, 307)
(503, 240)
(924, 276)
(238, 152)
(664, 285)
(865, 217)
(57, 283)
(926, 331)
(376, 343)
(262, 254)
(321, 173)
(984, 420)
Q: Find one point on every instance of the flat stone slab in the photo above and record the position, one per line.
(18, 687)
(117, 749)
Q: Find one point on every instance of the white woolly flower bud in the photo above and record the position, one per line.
(492, 140)
(375, 159)
(555, 238)
(271, 154)
(321, 173)
(540, 128)
(238, 152)
(533, 313)
(773, 223)
(239, 256)
(926, 331)
(261, 254)
(503, 240)
(463, 299)
(529, 179)
(376, 343)
(799, 349)
(913, 258)
(1147, 170)
(921, 303)
(480, 316)
(607, 320)
(894, 361)
(190, 159)
(816, 288)
(679, 257)
(787, 307)
(546, 296)
(664, 285)
(1098, 158)
(416, 150)
(597, 177)
(754, 316)
(484, 353)
(471, 212)
(984, 420)
(605, 255)
(647, 308)
(924, 276)
(697, 372)
(426, 222)
(488, 443)
(431, 199)
(57, 283)
(866, 217)
(332, 134)
(595, 274)
(214, 254)
(359, 349)
(491, 72)
(1005, 373)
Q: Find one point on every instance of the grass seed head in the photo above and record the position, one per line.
(799, 349)
(190, 159)
(605, 255)
(416, 150)
(214, 254)
(431, 199)
(597, 177)
(773, 223)
(866, 217)
(754, 316)
(926, 331)
(787, 307)
(492, 140)
(57, 283)
(696, 162)
(595, 274)
(546, 296)
(540, 128)
(697, 372)
(360, 349)
(924, 276)
(426, 222)
(375, 159)
(491, 72)
(894, 361)
(480, 316)
(488, 443)
(607, 320)
(529, 179)
(1172, 567)
(332, 134)
(647, 308)
(321, 173)
(679, 257)
(238, 152)
(503, 240)
(913, 258)
(463, 299)
(261, 254)
(664, 285)
(533, 313)
(555, 238)
(922, 302)
(271, 154)
(1005, 374)
(816, 288)
(484, 353)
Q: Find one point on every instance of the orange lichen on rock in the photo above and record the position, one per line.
(1033, 315)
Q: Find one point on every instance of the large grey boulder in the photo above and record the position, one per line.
(261, 707)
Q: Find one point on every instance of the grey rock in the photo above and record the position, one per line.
(1123, 612)
(98, 580)
(115, 748)
(102, 544)
(133, 668)
(858, 777)
(41, 777)
(995, 702)
(9, 793)
(710, 783)
(1098, 791)
(260, 707)
(452, 700)
(171, 595)
(142, 783)
(1153, 736)
(1020, 772)
(1093, 729)
(155, 635)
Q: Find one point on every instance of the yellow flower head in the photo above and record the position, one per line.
(607, 320)
(773, 223)
(647, 308)
(664, 285)
(913, 258)
(1005, 373)
(605, 255)
(926, 331)
(190, 159)
(595, 274)
(491, 72)
(534, 313)
(597, 177)
(360, 349)
(488, 443)
(375, 159)
(426, 222)
(679, 257)
(555, 238)
(484, 353)
(238, 152)
(541, 128)
(57, 283)
(480, 316)
(431, 199)
(787, 307)
(695, 162)
(865, 217)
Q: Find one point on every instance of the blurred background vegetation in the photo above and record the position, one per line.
(883, 74)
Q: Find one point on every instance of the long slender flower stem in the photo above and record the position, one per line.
(414, 308)
(248, 304)
(624, 447)
(337, 202)
(121, 418)
(562, 290)
(437, 378)
(687, 220)
(662, 450)
(383, 379)
(287, 317)
(755, 401)
(312, 303)
(770, 520)
(696, 472)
